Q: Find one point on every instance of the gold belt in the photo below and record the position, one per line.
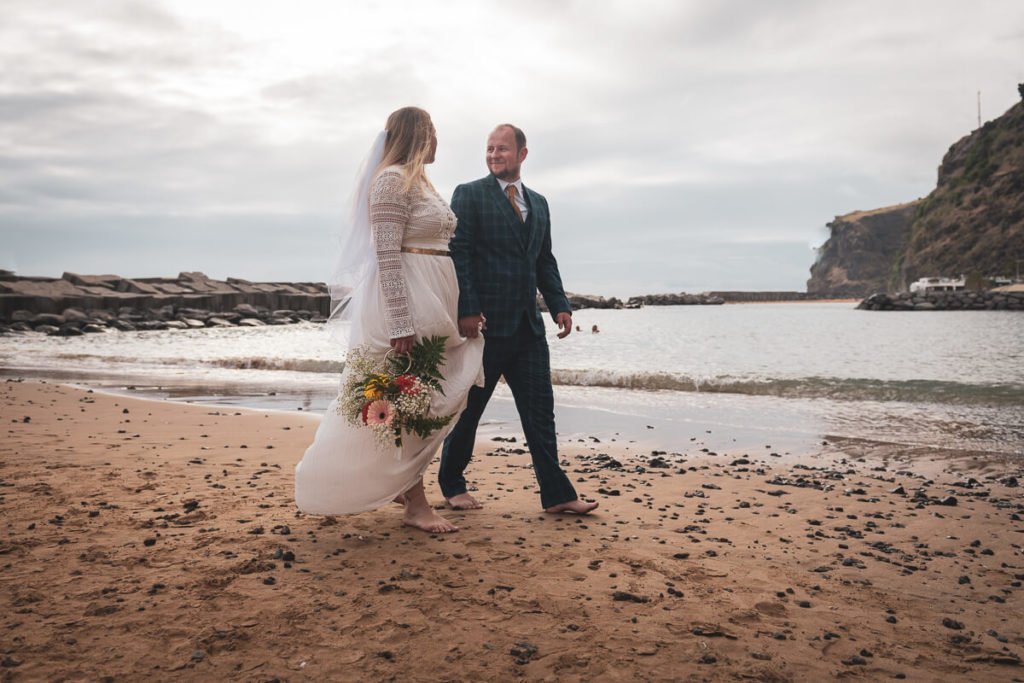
(429, 252)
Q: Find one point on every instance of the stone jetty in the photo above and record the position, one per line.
(680, 299)
(78, 304)
(987, 300)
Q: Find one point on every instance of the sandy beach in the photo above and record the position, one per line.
(155, 540)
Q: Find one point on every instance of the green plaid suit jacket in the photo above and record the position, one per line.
(502, 262)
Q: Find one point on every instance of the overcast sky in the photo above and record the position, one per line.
(682, 145)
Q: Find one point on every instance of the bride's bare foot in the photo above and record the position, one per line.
(428, 520)
(464, 501)
(577, 507)
(419, 514)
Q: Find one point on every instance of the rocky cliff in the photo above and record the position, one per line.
(971, 224)
(859, 256)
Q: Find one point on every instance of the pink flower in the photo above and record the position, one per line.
(380, 413)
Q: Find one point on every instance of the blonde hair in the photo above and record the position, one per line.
(407, 144)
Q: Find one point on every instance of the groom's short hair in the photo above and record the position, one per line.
(518, 132)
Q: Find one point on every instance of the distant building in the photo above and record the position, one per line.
(939, 284)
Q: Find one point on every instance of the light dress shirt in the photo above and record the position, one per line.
(520, 199)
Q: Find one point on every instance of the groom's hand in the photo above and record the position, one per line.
(564, 321)
(470, 326)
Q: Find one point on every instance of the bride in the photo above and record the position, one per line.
(395, 285)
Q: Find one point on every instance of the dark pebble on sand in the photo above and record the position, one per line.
(952, 623)
(198, 656)
(855, 661)
(623, 596)
(269, 581)
(804, 603)
(994, 634)
(149, 542)
(523, 652)
(707, 658)
(963, 580)
(948, 500)
(681, 556)
(9, 662)
(891, 619)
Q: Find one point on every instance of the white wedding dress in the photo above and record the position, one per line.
(344, 470)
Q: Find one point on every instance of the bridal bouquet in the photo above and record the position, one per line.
(391, 395)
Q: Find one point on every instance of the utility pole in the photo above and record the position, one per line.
(979, 109)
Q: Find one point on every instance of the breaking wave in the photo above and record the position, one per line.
(834, 388)
(909, 391)
(288, 364)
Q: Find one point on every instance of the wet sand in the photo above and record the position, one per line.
(150, 539)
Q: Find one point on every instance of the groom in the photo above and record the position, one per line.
(502, 254)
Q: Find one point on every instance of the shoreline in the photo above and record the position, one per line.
(652, 419)
(157, 536)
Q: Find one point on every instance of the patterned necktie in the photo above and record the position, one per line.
(510, 190)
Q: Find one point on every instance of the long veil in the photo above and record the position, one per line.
(356, 267)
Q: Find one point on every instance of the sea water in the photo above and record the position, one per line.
(750, 374)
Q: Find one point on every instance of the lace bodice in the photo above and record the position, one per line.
(418, 218)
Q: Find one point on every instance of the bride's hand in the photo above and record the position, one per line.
(403, 344)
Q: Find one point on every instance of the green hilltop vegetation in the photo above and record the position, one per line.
(972, 223)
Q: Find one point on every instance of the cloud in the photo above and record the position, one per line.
(684, 145)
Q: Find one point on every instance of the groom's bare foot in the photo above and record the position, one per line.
(577, 507)
(464, 501)
(428, 520)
